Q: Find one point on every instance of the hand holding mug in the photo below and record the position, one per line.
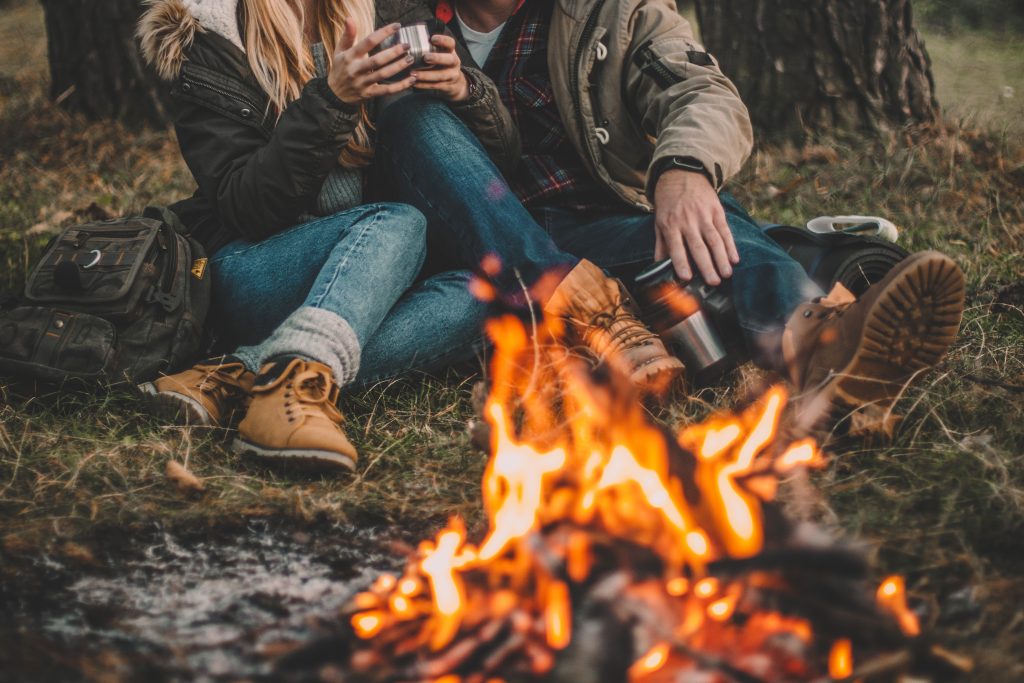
(443, 75)
(356, 77)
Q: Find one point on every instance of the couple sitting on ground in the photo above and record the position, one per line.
(574, 140)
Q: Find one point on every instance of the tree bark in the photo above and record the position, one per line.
(817, 66)
(95, 64)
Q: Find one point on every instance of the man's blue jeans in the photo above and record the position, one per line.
(358, 264)
(428, 158)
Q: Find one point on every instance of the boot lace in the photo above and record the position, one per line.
(221, 385)
(835, 303)
(615, 331)
(316, 396)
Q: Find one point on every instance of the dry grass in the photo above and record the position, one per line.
(943, 502)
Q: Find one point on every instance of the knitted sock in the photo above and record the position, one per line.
(310, 333)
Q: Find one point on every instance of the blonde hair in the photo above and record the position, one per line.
(283, 63)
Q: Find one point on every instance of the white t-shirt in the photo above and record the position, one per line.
(479, 44)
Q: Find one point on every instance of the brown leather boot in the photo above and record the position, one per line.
(859, 352)
(211, 393)
(294, 418)
(601, 315)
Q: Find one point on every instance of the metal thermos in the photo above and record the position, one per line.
(695, 320)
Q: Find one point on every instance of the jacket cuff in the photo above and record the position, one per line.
(335, 102)
(477, 91)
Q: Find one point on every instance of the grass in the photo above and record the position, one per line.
(942, 502)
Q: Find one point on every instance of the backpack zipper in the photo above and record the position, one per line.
(171, 254)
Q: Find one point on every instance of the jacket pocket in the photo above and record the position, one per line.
(224, 95)
(657, 69)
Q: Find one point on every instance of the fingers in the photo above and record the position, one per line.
(382, 58)
(444, 42)
(386, 72)
(444, 60)
(722, 225)
(716, 246)
(347, 38)
(438, 76)
(673, 243)
(381, 89)
(364, 46)
(660, 252)
(701, 256)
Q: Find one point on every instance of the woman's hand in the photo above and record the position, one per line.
(356, 77)
(446, 78)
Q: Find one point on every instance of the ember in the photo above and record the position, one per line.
(617, 551)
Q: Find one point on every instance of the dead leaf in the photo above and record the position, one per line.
(873, 421)
(186, 482)
(78, 554)
(51, 224)
(819, 153)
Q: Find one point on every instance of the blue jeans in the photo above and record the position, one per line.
(358, 264)
(428, 158)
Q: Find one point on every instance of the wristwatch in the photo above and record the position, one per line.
(691, 164)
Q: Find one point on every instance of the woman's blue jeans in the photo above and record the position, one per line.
(358, 264)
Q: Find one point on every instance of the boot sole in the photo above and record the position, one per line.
(299, 458)
(658, 376)
(176, 407)
(908, 329)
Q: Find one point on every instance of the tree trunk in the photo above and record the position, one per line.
(817, 66)
(95, 64)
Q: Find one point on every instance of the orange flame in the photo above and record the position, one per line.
(892, 597)
(573, 461)
(840, 659)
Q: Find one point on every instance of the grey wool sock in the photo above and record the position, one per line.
(311, 333)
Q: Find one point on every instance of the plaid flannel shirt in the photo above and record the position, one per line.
(550, 172)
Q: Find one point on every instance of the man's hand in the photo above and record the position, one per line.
(446, 78)
(690, 223)
(356, 77)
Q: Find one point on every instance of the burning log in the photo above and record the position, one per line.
(617, 551)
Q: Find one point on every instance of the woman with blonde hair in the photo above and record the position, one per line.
(274, 104)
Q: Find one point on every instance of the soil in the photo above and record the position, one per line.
(163, 606)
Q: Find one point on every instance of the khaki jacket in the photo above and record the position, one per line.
(634, 87)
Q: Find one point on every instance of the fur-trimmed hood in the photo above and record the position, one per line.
(168, 28)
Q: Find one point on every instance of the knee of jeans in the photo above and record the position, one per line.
(405, 227)
(413, 118)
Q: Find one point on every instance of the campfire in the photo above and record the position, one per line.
(618, 551)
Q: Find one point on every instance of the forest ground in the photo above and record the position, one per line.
(942, 502)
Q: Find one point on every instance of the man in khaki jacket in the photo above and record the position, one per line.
(629, 130)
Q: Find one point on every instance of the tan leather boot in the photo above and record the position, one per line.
(211, 393)
(294, 418)
(602, 317)
(857, 352)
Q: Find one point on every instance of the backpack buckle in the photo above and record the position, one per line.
(169, 302)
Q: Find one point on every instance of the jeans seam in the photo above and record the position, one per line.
(343, 263)
(386, 149)
(281, 233)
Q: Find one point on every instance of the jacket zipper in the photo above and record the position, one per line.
(222, 91)
(574, 77)
(655, 68)
(574, 84)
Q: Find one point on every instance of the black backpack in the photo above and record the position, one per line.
(121, 300)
